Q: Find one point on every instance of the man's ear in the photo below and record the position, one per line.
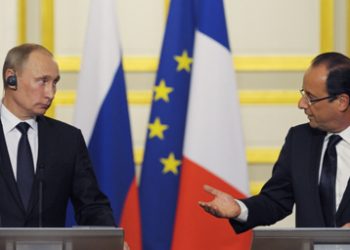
(11, 79)
(344, 102)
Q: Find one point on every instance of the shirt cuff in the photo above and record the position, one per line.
(243, 216)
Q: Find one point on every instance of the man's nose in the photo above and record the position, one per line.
(303, 103)
(50, 90)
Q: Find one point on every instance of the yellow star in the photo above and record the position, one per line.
(170, 164)
(162, 91)
(157, 129)
(183, 62)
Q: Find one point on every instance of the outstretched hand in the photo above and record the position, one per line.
(126, 246)
(222, 206)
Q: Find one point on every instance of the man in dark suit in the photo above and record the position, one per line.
(59, 168)
(301, 176)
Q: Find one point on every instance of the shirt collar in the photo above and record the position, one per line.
(10, 121)
(345, 135)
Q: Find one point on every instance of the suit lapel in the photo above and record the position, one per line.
(315, 158)
(6, 169)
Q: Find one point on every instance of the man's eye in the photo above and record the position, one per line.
(43, 80)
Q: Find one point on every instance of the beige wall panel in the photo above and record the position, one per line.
(8, 28)
(70, 25)
(141, 25)
(273, 26)
(269, 80)
(340, 32)
(33, 25)
(267, 125)
(139, 116)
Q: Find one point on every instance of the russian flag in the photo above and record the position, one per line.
(194, 134)
(102, 115)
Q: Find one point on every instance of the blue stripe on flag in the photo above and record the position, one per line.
(210, 18)
(110, 146)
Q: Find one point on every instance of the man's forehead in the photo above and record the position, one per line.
(40, 59)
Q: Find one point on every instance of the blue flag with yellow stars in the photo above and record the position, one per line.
(163, 152)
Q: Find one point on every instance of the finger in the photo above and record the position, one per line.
(126, 246)
(347, 225)
(201, 203)
(211, 190)
(210, 209)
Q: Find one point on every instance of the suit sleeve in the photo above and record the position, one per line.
(276, 199)
(90, 204)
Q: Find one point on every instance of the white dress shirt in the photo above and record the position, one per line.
(343, 170)
(13, 135)
(343, 166)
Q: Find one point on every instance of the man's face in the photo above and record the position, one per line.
(36, 86)
(322, 114)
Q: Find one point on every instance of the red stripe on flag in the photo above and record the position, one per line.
(194, 228)
(130, 218)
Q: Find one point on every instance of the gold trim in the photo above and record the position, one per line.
(166, 9)
(143, 97)
(255, 187)
(269, 97)
(242, 63)
(140, 97)
(245, 97)
(262, 155)
(271, 63)
(68, 63)
(21, 21)
(255, 155)
(327, 25)
(47, 24)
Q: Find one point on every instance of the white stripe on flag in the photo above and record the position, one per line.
(214, 137)
(98, 66)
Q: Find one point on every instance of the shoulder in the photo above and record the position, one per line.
(48, 123)
(304, 131)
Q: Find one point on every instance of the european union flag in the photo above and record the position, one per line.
(163, 152)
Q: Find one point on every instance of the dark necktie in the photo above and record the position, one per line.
(327, 181)
(25, 166)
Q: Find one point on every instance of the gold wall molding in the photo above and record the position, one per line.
(246, 97)
(143, 97)
(241, 63)
(327, 25)
(254, 155)
(47, 12)
(21, 21)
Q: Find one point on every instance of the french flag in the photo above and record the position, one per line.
(102, 115)
(214, 151)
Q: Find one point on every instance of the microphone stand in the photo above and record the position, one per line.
(41, 187)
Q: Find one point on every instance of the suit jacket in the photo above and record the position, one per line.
(294, 181)
(66, 172)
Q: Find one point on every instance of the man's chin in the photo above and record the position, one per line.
(41, 111)
(313, 124)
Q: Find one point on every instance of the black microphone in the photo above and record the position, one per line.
(41, 168)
